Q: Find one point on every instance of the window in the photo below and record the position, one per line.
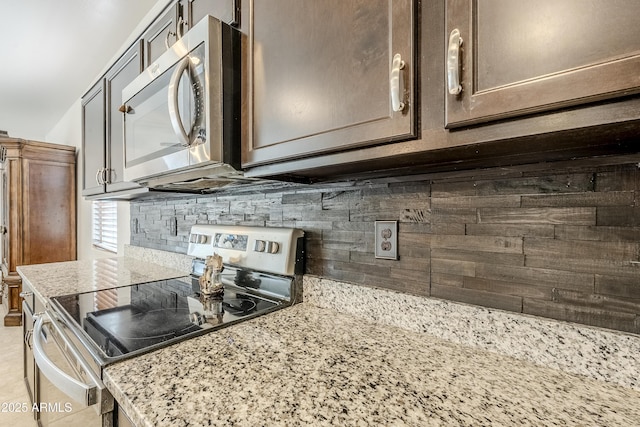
(107, 271)
(104, 223)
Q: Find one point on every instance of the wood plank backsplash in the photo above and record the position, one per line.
(563, 244)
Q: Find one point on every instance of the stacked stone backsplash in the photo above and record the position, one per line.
(563, 244)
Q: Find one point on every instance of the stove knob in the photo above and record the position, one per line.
(193, 238)
(202, 238)
(260, 246)
(273, 247)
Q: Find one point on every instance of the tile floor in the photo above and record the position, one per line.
(13, 392)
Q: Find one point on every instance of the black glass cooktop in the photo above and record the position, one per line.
(136, 318)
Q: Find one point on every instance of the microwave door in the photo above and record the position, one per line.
(151, 144)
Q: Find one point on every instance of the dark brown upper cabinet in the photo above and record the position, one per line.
(102, 135)
(508, 58)
(93, 140)
(178, 18)
(327, 76)
(162, 33)
(193, 11)
(123, 72)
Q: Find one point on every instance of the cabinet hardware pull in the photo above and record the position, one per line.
(98, 175)
(166, 40)
(453, 62)
(25, 294)
(124, 108)
(179, 25)
(395, 83)
(103, 176)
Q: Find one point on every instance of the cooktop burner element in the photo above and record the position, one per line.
(261, 274)
(239, 306)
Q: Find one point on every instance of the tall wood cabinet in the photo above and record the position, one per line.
(38, 211)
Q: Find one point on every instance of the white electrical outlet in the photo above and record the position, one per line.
(386, 240)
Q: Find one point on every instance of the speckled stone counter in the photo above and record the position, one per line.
(598, 353)
(156, 256)
(306, 365)
(354, 355)
(62, 278)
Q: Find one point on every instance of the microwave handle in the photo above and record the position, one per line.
(174, 111)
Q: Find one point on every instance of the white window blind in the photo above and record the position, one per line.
(105, 225)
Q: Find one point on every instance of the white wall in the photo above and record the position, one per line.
(68, 131)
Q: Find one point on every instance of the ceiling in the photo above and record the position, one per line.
(52, 51)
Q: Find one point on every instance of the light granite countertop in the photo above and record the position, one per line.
(63, 278)
(354, 355)
(306, 365)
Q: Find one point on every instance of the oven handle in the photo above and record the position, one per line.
(174, 111)
(77, 390)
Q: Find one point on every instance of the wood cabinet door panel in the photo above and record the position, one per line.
(224, 10)
(49, 220)
(119, 76)
(521, 57)
(320, 82)
(162, 32)
(5, 230)
(93, 140)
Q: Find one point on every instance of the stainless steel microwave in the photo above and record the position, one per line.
(183, 112)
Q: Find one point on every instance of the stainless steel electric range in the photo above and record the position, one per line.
(261, 272)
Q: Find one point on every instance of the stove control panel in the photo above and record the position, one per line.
(267, 249)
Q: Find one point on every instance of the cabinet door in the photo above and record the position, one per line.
(6, 222)
(320, 75)
(93, 140)
(195, 10)
(118, 77)
(161, 34)
(519, 57)
(49, 211)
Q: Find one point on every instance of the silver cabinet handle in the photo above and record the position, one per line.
(395, 83)
(178, 34)
(166, 40)
(25, 294)
(101, 176)
(453, 63)
(174, 112)
(179, 30)
(78, 391)
(106, 176)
